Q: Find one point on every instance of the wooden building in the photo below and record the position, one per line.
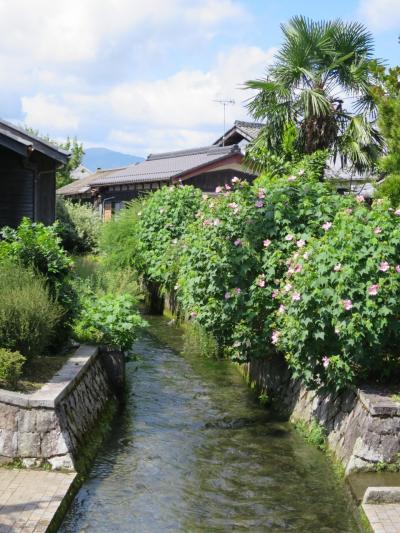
(27, 176)
(205, 167)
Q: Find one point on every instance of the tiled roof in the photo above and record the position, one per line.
(24, 143)
(249, 129)
(84, 184)
(246, 130)
(163, 167)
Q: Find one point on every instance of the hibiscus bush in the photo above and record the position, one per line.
(340, 299)
(235, 254)
(164, 219)
(283, 264)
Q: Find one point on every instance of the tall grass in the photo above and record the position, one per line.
(29, 316)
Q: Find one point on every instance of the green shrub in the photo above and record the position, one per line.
(11, 364)
(145, 235)
(29, 316)
(37, 246)
(120, 236)
(390, 188)
(341, 303)
(79, 226)
(166, 215)
(108, 320)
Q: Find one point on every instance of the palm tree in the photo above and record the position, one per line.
(321, 83)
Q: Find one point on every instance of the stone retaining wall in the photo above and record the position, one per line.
(363, 426)
(52, 423)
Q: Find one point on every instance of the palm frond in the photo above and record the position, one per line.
(315, 103)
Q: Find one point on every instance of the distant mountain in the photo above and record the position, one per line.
(95, 158)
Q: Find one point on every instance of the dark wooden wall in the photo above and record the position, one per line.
(16, 189)
(208, 181)
(27, 189)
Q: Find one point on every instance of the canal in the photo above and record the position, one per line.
(193, 451)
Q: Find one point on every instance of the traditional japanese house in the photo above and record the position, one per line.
(206, 168)
(27, 176)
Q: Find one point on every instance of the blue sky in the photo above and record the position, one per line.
(142, 77)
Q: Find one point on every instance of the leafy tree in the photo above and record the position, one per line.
(321, 83)
(387, 96)
(63, 175)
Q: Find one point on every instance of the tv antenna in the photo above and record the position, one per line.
(224, 102)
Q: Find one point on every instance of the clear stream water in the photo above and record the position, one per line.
(193, 451)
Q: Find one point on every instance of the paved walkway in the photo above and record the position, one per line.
(29, 499)
(383, 517)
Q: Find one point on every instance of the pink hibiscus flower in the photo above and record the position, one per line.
(327, 226)
(260, 281)
(347, 304)
(325, 361)
(384, 266)
(275, 337)
(373, 290)
(266, 243)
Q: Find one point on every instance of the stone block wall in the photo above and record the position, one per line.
(52, 424)
(362, 426)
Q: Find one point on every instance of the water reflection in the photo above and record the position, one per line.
(193, 452)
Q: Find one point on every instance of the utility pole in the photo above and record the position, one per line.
(225, 102)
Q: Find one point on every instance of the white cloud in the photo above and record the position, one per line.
(65, 32)
(380, 15)
(44, 113)
(152, 140)
(187, 99)
(75, 31)
(212, 12)
(175, 112)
